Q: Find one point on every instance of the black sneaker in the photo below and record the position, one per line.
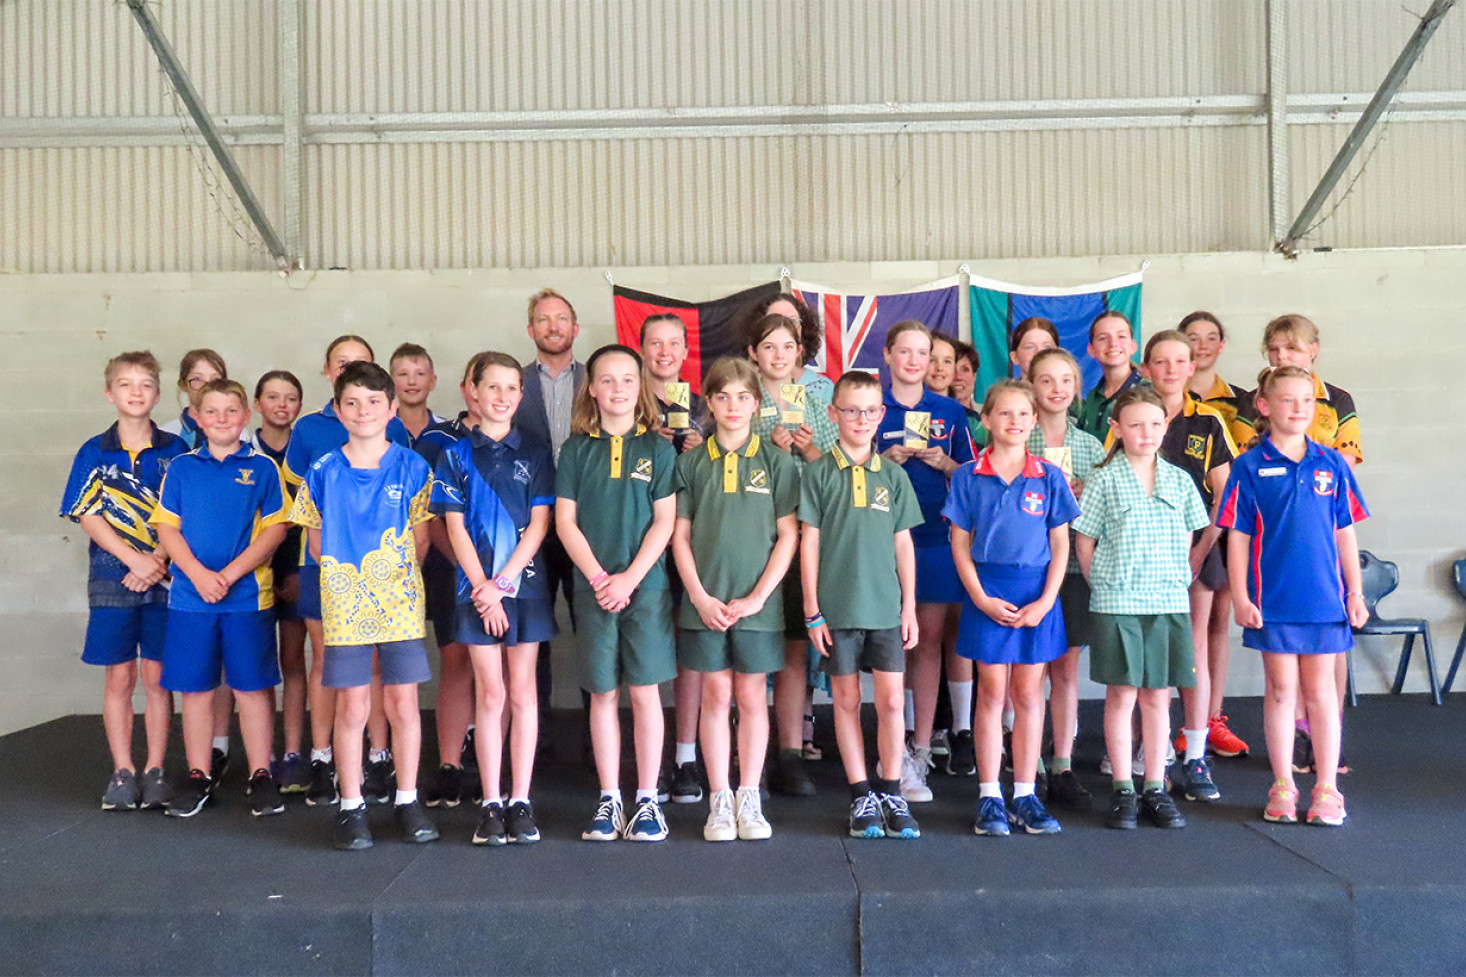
(685, 786)
(1161, 810)
(264, 795)
(867, 819)
(1067, 793)
(192, 796)
(1196, 782)
(520, 824)
(377, 781)
(294, 775)
(1302, 752)
(899, 822)
(1124, 811)
(1041, 786)
(218, 765)
(962, 755)
(416, 826)
(447, 787)
(322, 792)
(788, 776)
(490, 830)
(155, 791)
(352, 832)
(122, 792)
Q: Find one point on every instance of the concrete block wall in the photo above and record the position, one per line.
(1391, 323)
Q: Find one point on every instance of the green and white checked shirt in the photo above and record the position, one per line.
(1084, 453)
(817, 398)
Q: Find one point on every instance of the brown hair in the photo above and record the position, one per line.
(482, 361)
(1141, 393)
(1028, 325)
(192, 359)
(585, 413)
(549, 293)
(349, 337)
(855, 380)
(1009, 386)
(968, 352)
(767, 325)
(369, 376)
(1167, 336)
(223, 386)
(730, 371)
(142, 359)
(808, 332)
(411, 351)
(1200, 316)
(652, 320)
(285, 375)
(906, 325)
(1266, 380)
(1110, 314)
(1295, 326)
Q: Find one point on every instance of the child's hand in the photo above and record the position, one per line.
(667, 433)
(1001, 611)
(781, 437)
(485, 596)
(802, 437)
(691, 439)
(741, 607)
(820, 635)
(1031, 614)
(934, 456)
(496, 622)
(212, 587)
(1249, 615)
(1357, 611)
(289, 589)
(148, 568)
(615, 592)
(135, 583)
(910, 634)
(1196, 558)
(898, 453)
(714, 613)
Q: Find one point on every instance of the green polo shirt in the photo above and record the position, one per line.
(614, 481)
(1143, 540)
(858, 510)
(734, 499)
(1092, 414)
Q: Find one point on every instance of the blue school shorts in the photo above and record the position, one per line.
(350, 666)
(115, 635)
(530, 621)
(936, 576)
(205, 646)
(309, 602)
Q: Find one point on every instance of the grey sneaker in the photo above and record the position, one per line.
(156, 791)
(122, 792)
(914, 767)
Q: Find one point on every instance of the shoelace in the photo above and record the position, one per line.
(898, 806)
(750, 810)
(867, 806)
(606, 811)
(722, 811)
(647, 812)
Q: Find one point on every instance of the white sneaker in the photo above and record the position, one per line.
(752, 825)
(721, 825)
(914, 765)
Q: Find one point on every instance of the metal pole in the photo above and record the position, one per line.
(195, 106)
(1372, 112)
(1277, 118)
(292, 98)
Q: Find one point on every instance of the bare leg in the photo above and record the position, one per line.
(294, 683)
(117, 712)
(1279, 706)
(753, 727)
(524, 704)
(322, 699)
(890, 696)
(992, 692)
(687, 699)
(1064, 701)
(1219, 648)
(1026, 685)
(1197, 699)
(790, 687)
(402, 710)
(198, 729)
(1317, 675)
(1119, 711)
(455, 700)
(924, 672)
(352, 706)
(717, 695)
(605, 738)
(488, 685)
(845, 690)
(1155, 730)
(649, 727)
(157, 713)
(256, 726)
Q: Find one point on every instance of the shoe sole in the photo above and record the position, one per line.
(119, 807)
(599, 836)
(917, 797)
(323, 801)
(181, 813)
(906, 834)
(647, 837)
(356, 844)
(1210, 798)
(1227, 755)
(1279, 818)
(421, 837)
(687, 798)
(760, 835)
(874, 831)
(524, 839)
(719, 838)
(1123, 825)
(1168, 825)
(982, 832)
(265, 812)
(1030, 830)
(294, 788)
(1319, 822)
(492, 841)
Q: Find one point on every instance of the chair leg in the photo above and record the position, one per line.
(1455, 661)
(1349, 680)
(1404, 664)
(1435, 687)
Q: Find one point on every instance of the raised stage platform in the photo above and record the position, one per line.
(82, 891)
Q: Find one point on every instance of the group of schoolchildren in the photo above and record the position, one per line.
(818, 530)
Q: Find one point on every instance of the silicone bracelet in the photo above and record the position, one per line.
(598, 578)
(504, 584)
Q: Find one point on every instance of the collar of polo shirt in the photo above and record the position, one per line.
(1033, 467)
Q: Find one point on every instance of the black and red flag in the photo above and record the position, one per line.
(711, 326)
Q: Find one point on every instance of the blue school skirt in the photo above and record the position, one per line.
(986, 641)
(1300, 639)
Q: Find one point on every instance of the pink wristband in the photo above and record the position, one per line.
(598, 578)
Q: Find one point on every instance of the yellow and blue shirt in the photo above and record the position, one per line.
(221, 507)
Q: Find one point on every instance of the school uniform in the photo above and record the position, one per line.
(858, 510)
(936, 576)
(734, 500)
(694, 416)
(1335, 423)
(496, 485)
(1140, 574)
(1291, 511)
(437, 570)
(1092, 414)
(285, 562)
(1227, 400)
(220, 506)
(1010, 524)
(1077, 458)
(614, 480)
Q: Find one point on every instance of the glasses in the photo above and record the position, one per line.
(195, 383)
(856, 413)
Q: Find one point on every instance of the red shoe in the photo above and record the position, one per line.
(1223, 741)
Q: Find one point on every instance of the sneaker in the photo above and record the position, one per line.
(899, 822)
(991, 818)
(1124, 811)
(1302, 752)
(1161, 810)
(416, 826)
(685, 787)
(1221, 740)
(1041, 785)
(941, 742)
(752, 825)
(647, 824)
(722, 823)
(378, 781)
(1028, 814)
(218, 765)
(294, 775)
(122, 792)
(192, 796)
(788, 776)
(1282, 804)
(322, 792)
(1067, 793)
(352, 832)
(1326, 807)
(264, 794)
(914, 765)
(607, 823)
(447, 789)
(491, 829)
(1196, 783)
(519, 823)
(961, 754)
(155, 791)
(867, 819)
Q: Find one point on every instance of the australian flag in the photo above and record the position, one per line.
(855, 326)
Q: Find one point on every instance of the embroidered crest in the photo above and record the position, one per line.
(758, 481)
(393, 493)
(1323, 482)
(245, 476)
(882, 501)
(1033, 503)
(643, 470)
(1196, 446)
(938, 428)
(521, 472)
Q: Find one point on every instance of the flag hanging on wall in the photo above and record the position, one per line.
(998, 306)
(855, 326)
(711, 326)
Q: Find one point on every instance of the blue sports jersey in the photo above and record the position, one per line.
(948, 432)
(1291, 510)
(1010, 522)
(109, 481)
(495, 484)
(431, 443)
(220, 507)
(286, 560)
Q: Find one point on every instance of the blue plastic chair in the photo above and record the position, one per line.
(1381, 577)
(1459, 572)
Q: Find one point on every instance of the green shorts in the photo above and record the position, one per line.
(1148, 651)
(631, 647)
(746, 652)
(855, 650)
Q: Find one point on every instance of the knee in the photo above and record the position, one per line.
(716, 695)
(121, 679)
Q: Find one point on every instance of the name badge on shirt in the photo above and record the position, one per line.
(918, 428)
(793, 396)
(1271, 472)
(679, 395)
(768, 412)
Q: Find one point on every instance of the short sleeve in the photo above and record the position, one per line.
(1091, 513)
(542, 477)
(664, 469)
(274, 503)
(904, 507)
(785, 474)
(1063, 508)
(449, 492)
(1227, 447)
(686, 496)
(1346, 438)
(398, 433)
(1193, 509)
(811, 506)
(418, 510)
(567, 474)
(306, 510)
(958, 508)
(83, 493)
(169, 510)
(296, 465)
(1349, 506)
(962, 447)
(1239, 505)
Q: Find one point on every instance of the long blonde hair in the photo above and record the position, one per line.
(585, 413)
(1266, 380)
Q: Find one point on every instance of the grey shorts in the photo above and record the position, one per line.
(860, 650)
(350, 666)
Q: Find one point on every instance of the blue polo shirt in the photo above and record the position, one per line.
(220, 507)
(496, 484)
(1010, 521)
(1291, 510)
(948, 432)
(436, 438)
(109, 481)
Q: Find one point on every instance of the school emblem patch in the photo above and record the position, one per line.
(758, 481)
(1196, 446)
(643, 470)
(938, 428)
(521, 472)
(246, 476)
(882, 502)
(1033, 503)
(1323, 482)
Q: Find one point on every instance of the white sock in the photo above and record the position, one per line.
(405, 797)
(492, 800)
(221, 743)
(1008, 716)
(377, 756)
(1021, 790)
(1195, 744)
(519, 800)
(352, 803)
(642, 796)
(322, 755)
(961, 695)
(611, 795)
(910, 710)
(993, 789)
(686, 753)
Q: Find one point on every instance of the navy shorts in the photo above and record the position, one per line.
(309, 602)
(530, 621)
(350, 666)
(936, 576)
(204, 647)
(115, 635)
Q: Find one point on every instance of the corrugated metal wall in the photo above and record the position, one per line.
(785, 170)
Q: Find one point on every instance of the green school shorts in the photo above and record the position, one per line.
(1148, 651)
(631, 647)
(746, 652)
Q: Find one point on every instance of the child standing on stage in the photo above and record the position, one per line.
(495, 492)
(736, 532)
(198, 367)
(859, 574)
(614, 513)
(1134, 542)
(112, 492)
(414, 377)
(1290, 509)
(1111, 345)
(221, 516)
(1010, 541)
(363, 505)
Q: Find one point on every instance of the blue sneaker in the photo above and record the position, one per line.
(867, 820)
(1029, 815)
(992, 817)
(1196, 782)
(647, 824)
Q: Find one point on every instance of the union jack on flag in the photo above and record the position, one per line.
(855, 326)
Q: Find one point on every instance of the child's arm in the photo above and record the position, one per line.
(145, 569)
(1248, 614)
(619, 586)
(211, 585)
(786, 541)
(714, 613)
(809, 578)
(255, 554)
(1030, 614)
(1354, 605)
(438, 537)
(313, 542)
(1084, 552)
(996, 608)
(487, 594)
(1217, 480)
(577, 547)
(421, 541)
(906, 574)
(464, 553)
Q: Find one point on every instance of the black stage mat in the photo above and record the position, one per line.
(82, 891)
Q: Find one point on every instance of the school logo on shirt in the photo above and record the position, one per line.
(882, 501)
(1033, 503)
(643, 470)
(521, 472)
(758, 481)
(938, 428)
(393, 493)
(246, 476)
(1323, 482)
(1196, 446)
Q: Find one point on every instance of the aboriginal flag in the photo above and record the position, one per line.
(711, 326)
